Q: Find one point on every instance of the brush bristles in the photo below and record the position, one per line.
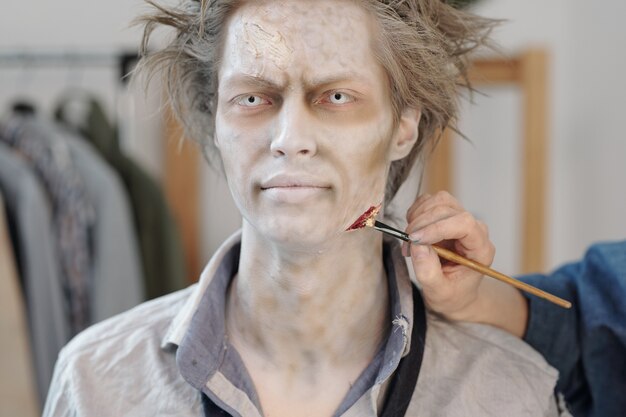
(366, 219)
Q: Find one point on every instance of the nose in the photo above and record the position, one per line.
(295, 135)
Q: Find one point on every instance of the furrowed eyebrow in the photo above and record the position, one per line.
(311, 83)
(251, 80)
(336, 78)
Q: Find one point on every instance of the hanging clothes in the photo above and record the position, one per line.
(117, 276)
(73, 214)
(159, 238)
(18, 395)
(29, 215)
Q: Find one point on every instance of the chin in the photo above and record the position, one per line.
(295, 236)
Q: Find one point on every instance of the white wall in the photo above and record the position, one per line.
(81, 26)
(587, 150)
(66, 23)
(590, 143)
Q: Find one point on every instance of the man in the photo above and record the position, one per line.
(316, 110)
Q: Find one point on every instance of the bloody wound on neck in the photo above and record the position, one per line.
(369, 215)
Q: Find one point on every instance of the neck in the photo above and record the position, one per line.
(310, 308)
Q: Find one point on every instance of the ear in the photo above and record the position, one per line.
(215, 141)
(406, 133)
(214, 151)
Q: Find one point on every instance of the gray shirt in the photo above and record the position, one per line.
(117, 283)
(29, 212)
(154, 359)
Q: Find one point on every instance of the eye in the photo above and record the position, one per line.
(252, 101)
(339, 97)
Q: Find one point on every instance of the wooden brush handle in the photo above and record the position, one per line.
(451, 256)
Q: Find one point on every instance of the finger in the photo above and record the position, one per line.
(490, 248)
(464, 229)
(406, 251)
(426, 265)
(418, 202)
(483, 227)
(481, 242)
(428, 202)
(441, 197)
(435, 214)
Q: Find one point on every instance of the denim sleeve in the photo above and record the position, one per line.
(586, 343)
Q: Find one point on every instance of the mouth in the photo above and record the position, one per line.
(293, 181)
(293, 188)
(292, 194)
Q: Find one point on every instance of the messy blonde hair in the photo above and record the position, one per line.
(423, 45)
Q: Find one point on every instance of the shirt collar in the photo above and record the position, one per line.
(180, 323)
(204, 349)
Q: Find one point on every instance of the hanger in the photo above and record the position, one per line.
(23, 107)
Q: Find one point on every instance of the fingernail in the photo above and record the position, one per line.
(420, 252)
(415, 237)
(406, 252)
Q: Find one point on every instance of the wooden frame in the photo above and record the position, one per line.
(528, 72)
(182, 190)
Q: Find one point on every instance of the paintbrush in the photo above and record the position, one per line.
(367, 219)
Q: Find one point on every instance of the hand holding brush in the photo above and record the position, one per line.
(367, 219)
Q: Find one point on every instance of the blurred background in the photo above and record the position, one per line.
(151, 212)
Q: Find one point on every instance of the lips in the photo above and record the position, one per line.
(293, 188)
(288, 181)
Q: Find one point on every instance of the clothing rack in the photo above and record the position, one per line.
(124, 60)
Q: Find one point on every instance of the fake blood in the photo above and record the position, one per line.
(362, 220)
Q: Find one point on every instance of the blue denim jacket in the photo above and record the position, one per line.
(586, 343)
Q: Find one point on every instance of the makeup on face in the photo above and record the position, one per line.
(273, 44)
(304, 128)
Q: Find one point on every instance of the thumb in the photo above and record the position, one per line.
(426, 266)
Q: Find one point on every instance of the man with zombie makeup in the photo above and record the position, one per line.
(315, 110)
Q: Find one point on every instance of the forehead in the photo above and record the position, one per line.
(299, 37)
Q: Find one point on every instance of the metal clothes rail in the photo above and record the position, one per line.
(124, 60)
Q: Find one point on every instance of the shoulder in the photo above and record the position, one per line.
(479, 340)
(118, 365)
(145, 323)
(477, 370)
